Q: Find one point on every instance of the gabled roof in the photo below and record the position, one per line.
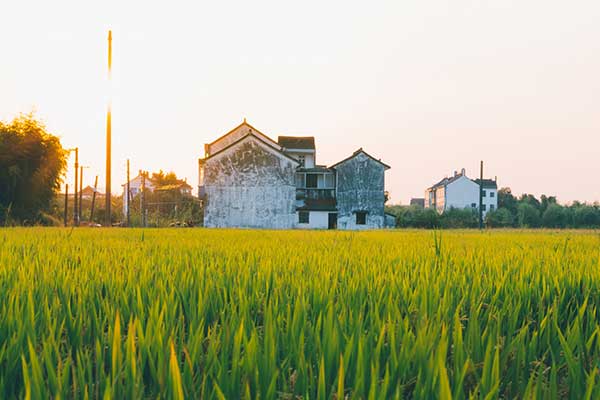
(246, 136)
(446, 181)
(297, 142)
(357, 152)
(487, 183)
(253, 129)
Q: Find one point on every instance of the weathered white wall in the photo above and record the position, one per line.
(235, 135)
(462, 193)
(316, 220)
(250, 185)
(360, 187)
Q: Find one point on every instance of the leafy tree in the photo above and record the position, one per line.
(528, 215)
(586, 216)
(554, 216)
(500, 218)
(32, 162)
(507, 200)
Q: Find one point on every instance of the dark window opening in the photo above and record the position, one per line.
(361, 218)
(311, 180)
(492, 194)
(492, 207)
(483, 193)
(483, 207)
(473, 205)
(303, 217)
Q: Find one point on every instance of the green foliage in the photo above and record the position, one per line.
(500, 218)
(205, 314)
(528, 216)
(32, 162)
(554, 216)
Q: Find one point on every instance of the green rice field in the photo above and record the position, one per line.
(228, 314)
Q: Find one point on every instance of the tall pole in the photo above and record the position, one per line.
(108, 136)
(127, 196)
(66, 203)
(143, 199)
(93, 200)
(75, 206)
(80, 190)
(481, 195)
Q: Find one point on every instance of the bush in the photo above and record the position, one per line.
(500, 218)
(528, 216)
(460, 218)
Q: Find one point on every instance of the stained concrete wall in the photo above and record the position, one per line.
(250, 185)
(236, 135)
(360, 187)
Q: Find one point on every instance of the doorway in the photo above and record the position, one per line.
(332, 221)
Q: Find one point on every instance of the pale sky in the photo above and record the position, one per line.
(427, 86)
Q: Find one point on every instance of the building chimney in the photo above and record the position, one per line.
(455, 173)
(462, 171)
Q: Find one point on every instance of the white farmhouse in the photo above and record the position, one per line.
(461, 192)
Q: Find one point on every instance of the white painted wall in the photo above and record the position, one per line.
(316, 220)
(462, 193)
(490, 199)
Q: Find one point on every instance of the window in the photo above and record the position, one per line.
(303, 217)
(299, 180)
(361, 218)
(311, 180)
(483, 193)
(483, 207)
(301, 160)
(492, 207)
(473, 205)
(492, 194)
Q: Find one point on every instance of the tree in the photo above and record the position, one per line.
(500, 218)
(554, 216)
(32, 162)
(460, 218)
(528, 216)
(586, 216)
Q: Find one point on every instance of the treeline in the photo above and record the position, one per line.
(525, 211)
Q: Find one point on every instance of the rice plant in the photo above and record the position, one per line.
(230, 314)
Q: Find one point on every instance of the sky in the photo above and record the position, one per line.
(427, 86)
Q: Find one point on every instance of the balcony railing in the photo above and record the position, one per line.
(315, 194)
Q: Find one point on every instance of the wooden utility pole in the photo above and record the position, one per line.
(108, 221)
(128, 196)
(143, 198)
(93, 200)
(481, 195)
(66, 203)
(75, 206)
(80, 191)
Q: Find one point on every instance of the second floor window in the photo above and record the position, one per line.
(483, 193)
(492, 194)
(311, 180)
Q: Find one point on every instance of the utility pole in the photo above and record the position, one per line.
(127, 196)
(66, 203)
(108, 137)
(75, 206)
(143, 198)
(481, 195)
(93, 200)
(80, 190)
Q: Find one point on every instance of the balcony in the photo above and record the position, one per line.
(315, 194)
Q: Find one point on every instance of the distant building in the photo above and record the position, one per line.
(247, 179)
(417, 201)
(461, 192)
(88, 192)
(135, 187)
